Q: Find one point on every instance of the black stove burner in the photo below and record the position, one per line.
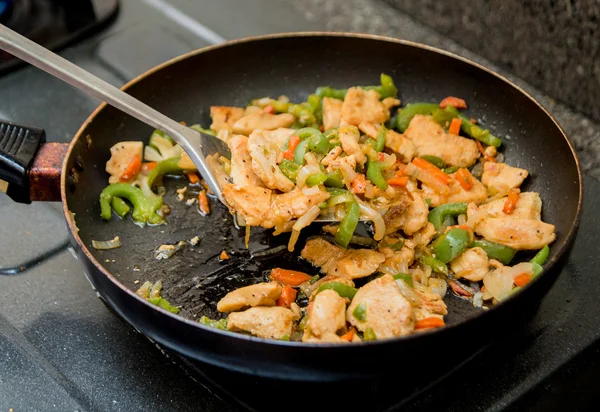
(53, 23)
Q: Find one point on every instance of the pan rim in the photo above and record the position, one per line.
(569, 237)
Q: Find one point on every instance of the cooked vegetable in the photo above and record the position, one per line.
(501, 253)
(442, 210)
(342, 289)
(541, 256)
(435, 264)
(429, 323)
(451, 244)
(375, 176)
(218, 324)
(107, 244)
(289, 277)
(437, 215)
(144, 206)
(163, 303)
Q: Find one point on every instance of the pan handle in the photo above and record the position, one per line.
(30, 168)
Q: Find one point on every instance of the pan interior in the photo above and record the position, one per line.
(295, 66)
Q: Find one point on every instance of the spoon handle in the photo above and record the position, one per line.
(44, 59)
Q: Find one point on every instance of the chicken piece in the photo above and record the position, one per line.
(401, 145)
(363, 106)
(261, 294)
(262, 120)
(500, 177)
(424, 236)
(408, 215)
(326, 316)
(396, 261)
(431, 304)
(349, 136)
(121, 155)
(273, 322)
(388, 312)
(278, 136)
(456, 193)
(529, 206)
(430, 139)
(261, 207)
(358, 263)
(518, 233)
(335, 261)
(241, 162)
(265, 154)
(216, 169)
(390, 102)
(332, 112)
(332, 155)
(472, 265)
(342, 162)
(223, 117)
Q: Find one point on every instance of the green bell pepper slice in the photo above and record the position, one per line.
(437, 215)
(335, 179)
(342, 289)
(199, 128)
(316, 179)
(451, 244)
(144, 207)
(434, 160)
(541, 256)
(387, 88)
(300, 151)
(369, 334)
(375, 176)
(219, 324)
(120, 207)
(501, 253)
(435, 264)
(163, 303)
(450, 170)
(167, 166)
(317, 142)
(360, 312)
(289, 169)
(379, 143)
(407, 278)
(348, 225)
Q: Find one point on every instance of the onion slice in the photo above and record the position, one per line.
(305, 220)
(499, 282)
(107, 244)
(374, 216)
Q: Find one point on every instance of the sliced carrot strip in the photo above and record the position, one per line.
(511, 202)
(522, 279)
(288, 296)
(223, 255)
(289, 277)
(398, 181)
(359, 184)
(348, 335)
(203, 202)
(456, 102)
(429, 323)
(434, 170)
(455, 126)
(147, 167)
(289, 153)
(132, 169)
(464, 178)
(193, 178)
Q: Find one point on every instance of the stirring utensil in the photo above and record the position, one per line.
(196, 144)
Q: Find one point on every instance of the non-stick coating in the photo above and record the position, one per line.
(294, 66)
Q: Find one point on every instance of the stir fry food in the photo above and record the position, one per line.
(446, 212)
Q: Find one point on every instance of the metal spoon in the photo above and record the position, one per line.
(196, 144)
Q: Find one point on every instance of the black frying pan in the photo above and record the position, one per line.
(292, 64)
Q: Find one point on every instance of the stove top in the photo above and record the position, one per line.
(63, 350)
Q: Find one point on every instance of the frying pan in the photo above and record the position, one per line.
(232, 74)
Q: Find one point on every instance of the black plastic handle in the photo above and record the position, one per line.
(18, 147)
